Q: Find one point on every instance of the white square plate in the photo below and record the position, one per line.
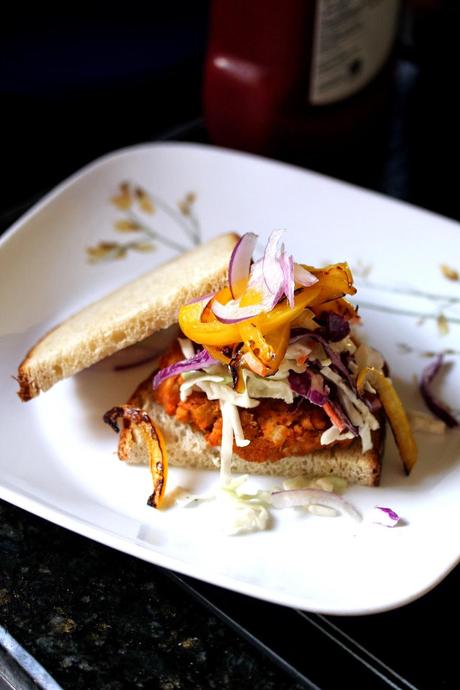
(58, 457)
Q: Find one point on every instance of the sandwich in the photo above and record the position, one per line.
(125, 317)
(266, 377)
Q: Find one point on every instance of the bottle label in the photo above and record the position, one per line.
(353, 39)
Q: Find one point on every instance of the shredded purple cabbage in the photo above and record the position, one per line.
(385, 516)
(199, 361)
(334, 327)
(372, 401)
(336, 361)
(438, 408)
(340, 412)
(312, 387)
(391, 513)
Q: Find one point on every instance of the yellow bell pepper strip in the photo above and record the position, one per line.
(282, 314)
(340, 271)
(269, 351)
(239, 287)
(255, 342)
(217, 353)
(339, 306)
(221, 334)
(158, 463)
(335, 281)
(278, 341)
(208, 316)
(213, 333)
(254, 363)
(223, 295)
(250, 297)
(138, 424)
(239, 382)
(305, 320)
(395, 412)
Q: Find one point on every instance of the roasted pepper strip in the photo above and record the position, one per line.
(264, 354)
(217, 353)
(339, 306)
(208, 316)
(395, 412)
(334, 281)
(139, 424)
(254, 363)
(213, 333)
(282, 314)
(221, 334)
(158, 464)
(306, 320)
(255, 341)
(278, 341)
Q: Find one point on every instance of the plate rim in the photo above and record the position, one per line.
(133, 548)
(208, 148)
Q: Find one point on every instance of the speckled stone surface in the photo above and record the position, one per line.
(99, 619)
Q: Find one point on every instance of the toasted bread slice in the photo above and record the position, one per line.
(188, 448)
(125, 317)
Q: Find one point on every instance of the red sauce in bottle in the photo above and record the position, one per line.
(298, 73)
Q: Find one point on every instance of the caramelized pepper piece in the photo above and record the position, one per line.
(278, 341)
(255, 342)
(205, 333)
(339, 306)
(143, 431)
(254, 363)
(264, 354)
(208, 316)
(395, 412)
(335, 281)
(197, 323)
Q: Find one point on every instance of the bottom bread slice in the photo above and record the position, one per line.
(189, 448)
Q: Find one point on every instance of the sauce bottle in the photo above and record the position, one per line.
(296, 75)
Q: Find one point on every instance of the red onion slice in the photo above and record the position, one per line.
(240, 263)
(385, 516)
(199, 361)
(293, 498)
(272, 269)
(438, 408)
(272, 276)
(257, 282)
(287, 265)
(233, 313)
(203, 298)
(303, 277)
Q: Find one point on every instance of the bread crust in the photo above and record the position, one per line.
(125, 317)
(188, 448)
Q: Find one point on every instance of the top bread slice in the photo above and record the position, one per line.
(125, 317)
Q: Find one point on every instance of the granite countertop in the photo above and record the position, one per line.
(97, 618)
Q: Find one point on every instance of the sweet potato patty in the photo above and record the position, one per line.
(275, 429)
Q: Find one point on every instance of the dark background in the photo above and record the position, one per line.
(74, 85)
